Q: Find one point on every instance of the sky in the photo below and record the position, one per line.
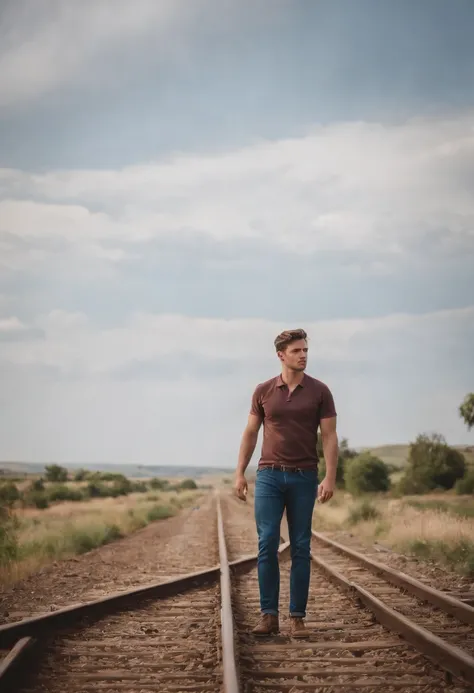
(181, 181)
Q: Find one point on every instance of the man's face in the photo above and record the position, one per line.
(295, 355)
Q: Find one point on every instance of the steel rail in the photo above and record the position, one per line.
(11, 662)
(445, 602)
(64, 617)
(229, 665)
(453, 659)
(10, 632)
(22, 635)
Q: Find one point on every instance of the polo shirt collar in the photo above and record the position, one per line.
(280, 382)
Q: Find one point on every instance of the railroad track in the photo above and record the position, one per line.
(193, 633)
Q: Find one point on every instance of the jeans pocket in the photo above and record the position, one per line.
(309, 475)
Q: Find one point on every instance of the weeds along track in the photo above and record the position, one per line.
(167, 639)
(160, 551)
(194, 633)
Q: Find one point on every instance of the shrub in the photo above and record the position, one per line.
(53, 472)
(188, 484)
(9, 494)
(159, 512)
(37, 485)
(111, 476)
(60, 492)
(121, 486)
(135, 521)
(408, 486)
(345, 455)
(95, 490)
(466, 484)
(433, 464)
(84, 540)
(362, 512)
(36, 499)
(367, 473)
(81, 475)
(159, 484)
(139, 487)
(8, 538)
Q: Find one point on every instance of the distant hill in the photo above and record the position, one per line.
(130, 470)
(398, 454)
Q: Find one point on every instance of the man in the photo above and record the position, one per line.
(291, 407)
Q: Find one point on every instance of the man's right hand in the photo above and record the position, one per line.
(241, 487)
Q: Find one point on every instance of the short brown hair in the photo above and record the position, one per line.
(287, 337)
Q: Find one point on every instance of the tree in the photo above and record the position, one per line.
(466, 410)
(53, 472)
(188, 484)
(345, 454)
(366, 474)
(432, 464)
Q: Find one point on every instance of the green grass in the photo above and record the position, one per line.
(461, 508)
(70, 541)
(30, 539)
(159, 512)
(362, 512)
(458, 555)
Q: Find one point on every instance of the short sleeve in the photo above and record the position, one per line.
(256, 407)
(328, 408)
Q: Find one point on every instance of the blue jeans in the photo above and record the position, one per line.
(275, 490)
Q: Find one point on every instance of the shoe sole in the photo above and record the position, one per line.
(265, 635)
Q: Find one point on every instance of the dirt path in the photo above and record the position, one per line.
(163, 549)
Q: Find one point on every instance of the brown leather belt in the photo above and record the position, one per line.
(288, 468)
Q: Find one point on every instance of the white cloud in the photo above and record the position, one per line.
(69, 339)
(11, 325)
(76, 391)
(354, 186)
(46, 45)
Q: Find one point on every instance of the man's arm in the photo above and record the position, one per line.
(247, 447)
(331, 450)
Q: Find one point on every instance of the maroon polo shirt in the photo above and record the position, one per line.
(291, 421)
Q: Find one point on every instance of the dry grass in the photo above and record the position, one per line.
(437, 532)
(69, 528)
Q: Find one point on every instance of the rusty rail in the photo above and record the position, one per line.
(65, 617)
(11, 632)
(445, 602)
(10, 664)
(453, 659)
(231, 679)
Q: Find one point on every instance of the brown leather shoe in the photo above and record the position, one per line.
(298, 628)
(268, 625)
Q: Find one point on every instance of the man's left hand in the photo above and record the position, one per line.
(326, 490)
